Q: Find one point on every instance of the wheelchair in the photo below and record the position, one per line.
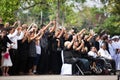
(103, 67)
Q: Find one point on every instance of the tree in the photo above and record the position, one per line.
(8, 9)
(112, 23)
(51, 9)
(113, 7)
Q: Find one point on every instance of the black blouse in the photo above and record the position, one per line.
(3, 43)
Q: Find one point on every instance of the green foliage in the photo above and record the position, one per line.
(114, 7)
(112, 25)
(8, 9)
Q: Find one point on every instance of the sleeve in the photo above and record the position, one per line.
(90, 54)
(8, 40)
(109, 56)
(21, 36)
(12, 35)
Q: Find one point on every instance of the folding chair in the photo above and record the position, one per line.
(67, 68)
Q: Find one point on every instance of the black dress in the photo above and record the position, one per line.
(43, 66)
(50, 51)
(23, 50)
(55, 57)
(32, 54)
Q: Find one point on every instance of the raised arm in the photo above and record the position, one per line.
(14, 24)
(58, 42)
(35, 36)
(40, 34)
(81, 45)
(14, 34)
(89, 38)
(90, 35)
(71, 43)
(54, 27)
(61, 33)
(47, 26)
(19, 23)
(29, 27)
(81, 32)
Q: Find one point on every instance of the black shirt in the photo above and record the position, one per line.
(3, 43)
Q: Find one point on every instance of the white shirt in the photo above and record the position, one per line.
(119, 44)
(111, 50)
(93, 54)
(38, 49)
(115, 44)
(14, 37)
(104, 53)
(100, 42)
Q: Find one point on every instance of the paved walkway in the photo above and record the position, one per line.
(59, 77)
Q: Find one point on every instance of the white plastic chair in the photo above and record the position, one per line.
(66, 68)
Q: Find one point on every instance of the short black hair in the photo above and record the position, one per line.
(75, 29)
(1, 26)
(42, 25)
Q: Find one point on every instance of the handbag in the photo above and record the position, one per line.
(6, 55)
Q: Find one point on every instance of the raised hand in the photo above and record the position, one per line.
(54, 22)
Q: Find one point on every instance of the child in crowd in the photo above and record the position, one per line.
(6, 62)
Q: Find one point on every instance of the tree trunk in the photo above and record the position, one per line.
(58, 13)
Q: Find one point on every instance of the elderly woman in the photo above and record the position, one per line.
(68, 56)
(105, 55)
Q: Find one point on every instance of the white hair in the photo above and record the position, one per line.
(66, 43)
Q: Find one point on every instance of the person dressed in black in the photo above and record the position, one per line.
(23, 50)
(45, 53)
(95, 42)
(68, 56)
(80, 56)
(55, 55)
(32, 50)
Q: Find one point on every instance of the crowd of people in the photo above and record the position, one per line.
(32, 50)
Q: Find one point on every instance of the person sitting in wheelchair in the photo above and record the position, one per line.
(95, 61)
(109, 63)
